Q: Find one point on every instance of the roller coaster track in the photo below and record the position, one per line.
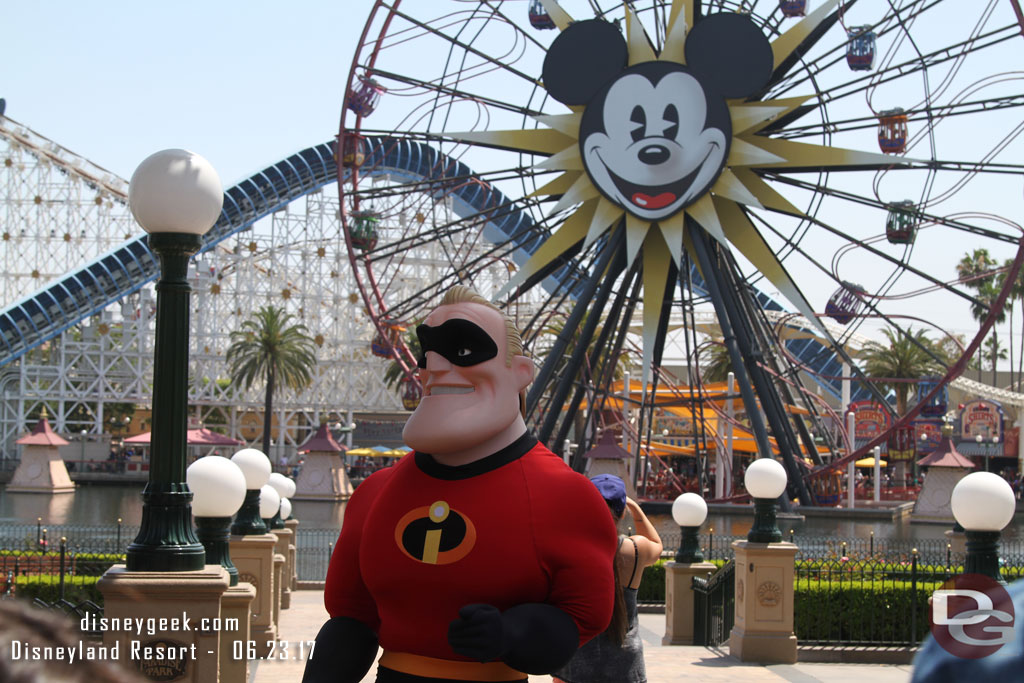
(46, 313)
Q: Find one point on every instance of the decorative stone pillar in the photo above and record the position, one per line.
(177, 617)
(293, 524)
(284, 586)
(679, 600)
(279, 563)
(254, 557)
(763, 629)
(236, 603)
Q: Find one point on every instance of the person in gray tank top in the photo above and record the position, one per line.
(617, 654)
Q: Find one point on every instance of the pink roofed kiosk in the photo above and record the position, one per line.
(608, 457)
(41, 469)
(946, 467)
(323, 475)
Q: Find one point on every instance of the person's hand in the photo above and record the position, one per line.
(477, 633)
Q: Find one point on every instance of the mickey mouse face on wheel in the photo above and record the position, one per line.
(654, 137)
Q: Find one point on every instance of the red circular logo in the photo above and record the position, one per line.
(972, 616)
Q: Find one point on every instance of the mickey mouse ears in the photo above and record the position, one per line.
(730, 54)
(582, 59)
(727, 51)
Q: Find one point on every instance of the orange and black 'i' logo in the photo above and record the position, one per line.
(435, 534)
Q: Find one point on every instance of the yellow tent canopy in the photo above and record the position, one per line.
(869, 462)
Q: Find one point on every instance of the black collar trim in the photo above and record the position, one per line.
(515, 450)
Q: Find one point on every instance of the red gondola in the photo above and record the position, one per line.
(901, 444)
(846, 303)
(539, 17)
(860, 51)
(363, 229)
(892, 131)
(793, 8)
(410, 394)
(901, 224)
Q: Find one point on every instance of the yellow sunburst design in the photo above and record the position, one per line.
(719, 212)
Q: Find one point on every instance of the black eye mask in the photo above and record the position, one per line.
(461, 342)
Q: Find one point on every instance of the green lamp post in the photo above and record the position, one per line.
(983, 503)
(176, 197)
(256, 468)
(765, 480)
(689, 511)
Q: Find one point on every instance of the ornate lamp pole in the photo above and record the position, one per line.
(176, 197)
(219, 488)
(765, 479)
(983, 503)
(689, 511)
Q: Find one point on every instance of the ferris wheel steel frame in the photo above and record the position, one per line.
(801, 67)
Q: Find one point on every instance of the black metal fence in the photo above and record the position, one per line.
(714, 606)
(866, 602)
(928, 550)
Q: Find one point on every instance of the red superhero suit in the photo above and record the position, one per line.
(420, 541)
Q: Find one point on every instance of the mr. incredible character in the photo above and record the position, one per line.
(480, 556)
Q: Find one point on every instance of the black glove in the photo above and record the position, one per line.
(345, 650)
(533, 638)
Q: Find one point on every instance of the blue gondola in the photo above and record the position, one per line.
(793, 8)
(860, 51)
(845, 304)
(937, 406)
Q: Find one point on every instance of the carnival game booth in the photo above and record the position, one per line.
(204, 440)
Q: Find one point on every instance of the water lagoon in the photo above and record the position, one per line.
(102, 505)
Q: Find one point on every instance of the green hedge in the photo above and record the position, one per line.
(861, 611)
(47, 588)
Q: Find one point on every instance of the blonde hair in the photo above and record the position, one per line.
(460, 294)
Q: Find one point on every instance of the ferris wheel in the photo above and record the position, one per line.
(590, 160)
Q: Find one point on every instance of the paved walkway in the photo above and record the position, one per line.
(665, 664)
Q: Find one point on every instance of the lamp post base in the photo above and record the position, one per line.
(166, 540)
(181, 651)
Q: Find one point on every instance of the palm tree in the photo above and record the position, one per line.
(268, 347)
(978, 270)
(717, 364)
(910, 356)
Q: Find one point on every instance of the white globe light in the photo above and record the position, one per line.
(175, 191)
(765, 478)
(983, 501)
(270, 502)
(217, 485)
(254, 465)
(286, 508)
(689, 509)
(284, 486)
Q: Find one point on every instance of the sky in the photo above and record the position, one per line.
(242, 84)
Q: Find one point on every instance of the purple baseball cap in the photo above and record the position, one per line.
(613, 490)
